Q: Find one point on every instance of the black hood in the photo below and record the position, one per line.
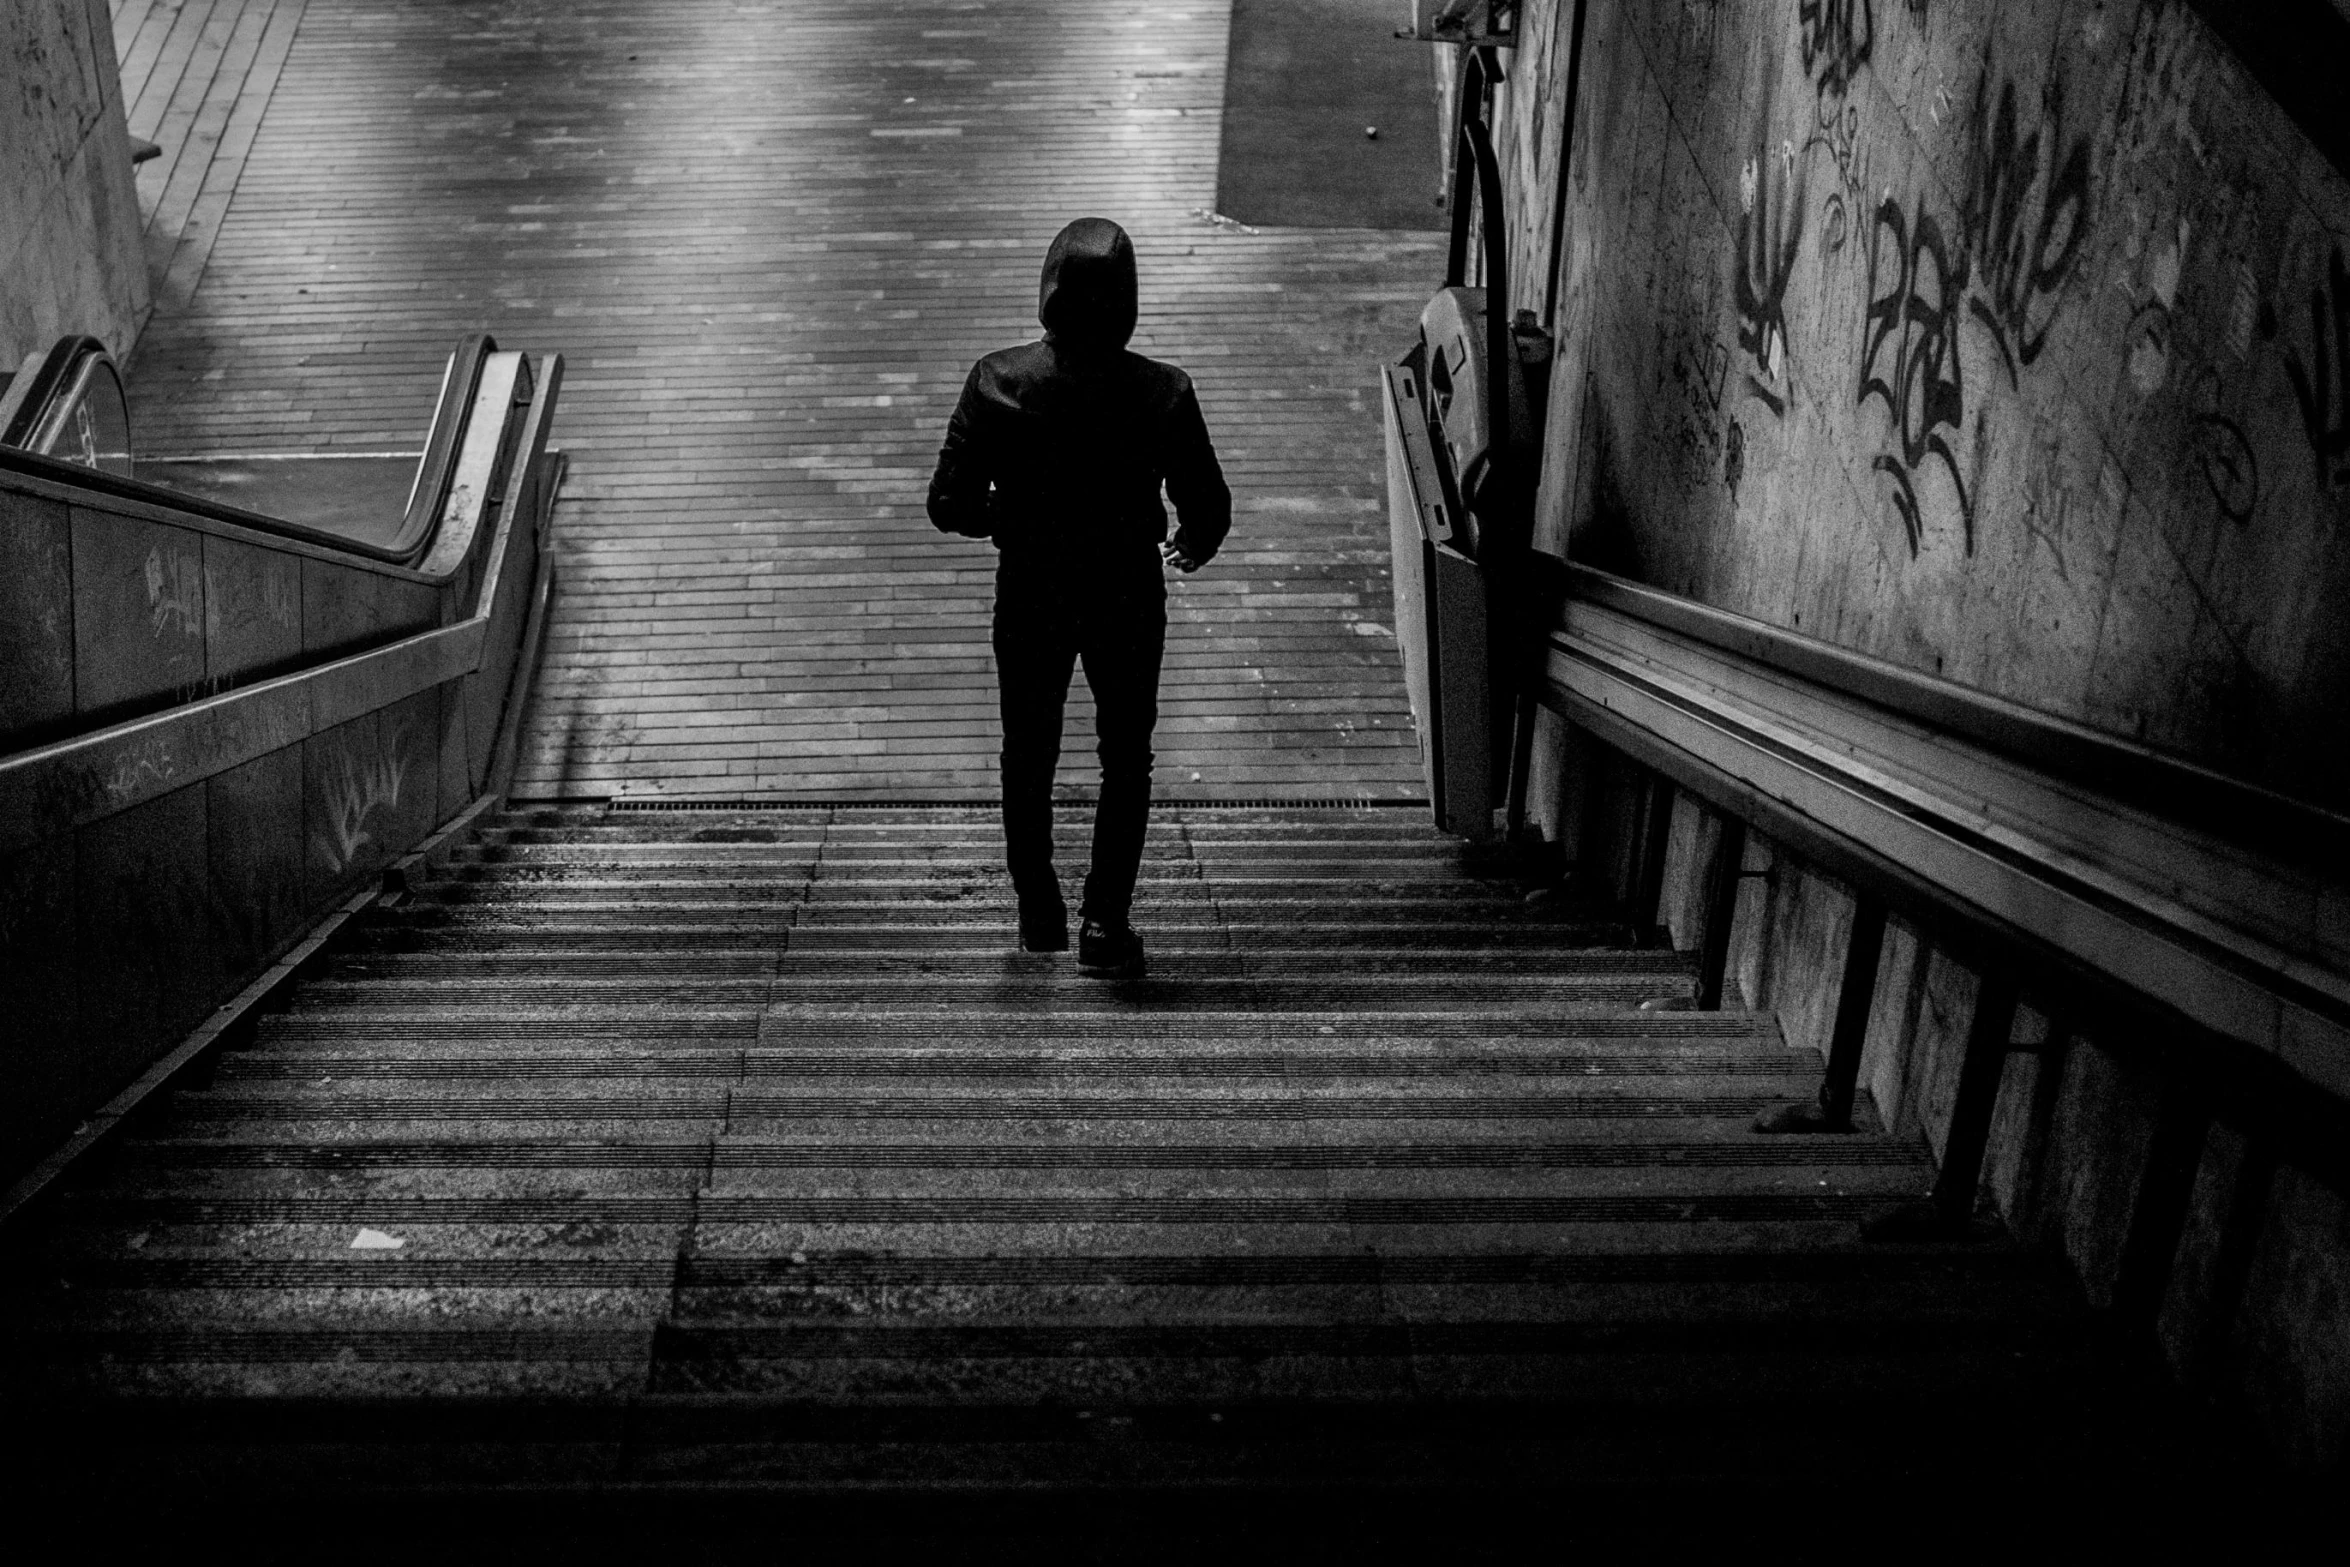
(1088, 298)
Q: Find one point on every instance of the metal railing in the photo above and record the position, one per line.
(2197, 912)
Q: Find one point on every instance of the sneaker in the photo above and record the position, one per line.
(1044, 927)
(1108, 951)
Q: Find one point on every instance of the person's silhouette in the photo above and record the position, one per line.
(1057, 451)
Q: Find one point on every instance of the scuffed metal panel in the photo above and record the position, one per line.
(459, 771)
(345, 608)
(252, 610)
(37, 993)
(36, 619)
(138, 611)
(146, 964)
(254, 816)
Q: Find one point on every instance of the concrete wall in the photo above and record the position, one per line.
(1999, 339)
(2004, 339)
(70, 256)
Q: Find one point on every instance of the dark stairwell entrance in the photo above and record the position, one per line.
(708, 1154)
(720, 1163)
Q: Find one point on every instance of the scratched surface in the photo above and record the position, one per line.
(2004, 341)
(769, 250)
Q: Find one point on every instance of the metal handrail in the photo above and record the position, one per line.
(2034, 842)
(25, 400)
(2130, 772)
(436, 469)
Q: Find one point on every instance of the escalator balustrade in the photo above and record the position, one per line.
(220, 718)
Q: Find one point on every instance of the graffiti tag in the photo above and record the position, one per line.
(2319, 385)
(1839, 136)
(2220, 450)
(2023, 219)
(1835, 38)
(1910, 359)
(175, 591)
(354, 790)
(1770, 232)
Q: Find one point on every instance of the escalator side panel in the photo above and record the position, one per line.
(36, 620)
(107, 615)
(160, 843)
(257, 868)
(138, 616)
(345, 609)
(148, 955)
(515, 547)
(253, 612)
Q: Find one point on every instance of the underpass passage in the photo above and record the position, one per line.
(218, 724)
(771, 249)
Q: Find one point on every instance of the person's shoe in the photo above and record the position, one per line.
(1044, 927)
(1108, 951)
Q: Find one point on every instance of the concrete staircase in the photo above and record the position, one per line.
(703, 1154)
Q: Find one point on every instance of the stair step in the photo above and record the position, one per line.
(1396, 1060)
(855, 955)
(1494, 994)
(583, 941)
(1185, 1102)
(740, 1115)
(869, 1024)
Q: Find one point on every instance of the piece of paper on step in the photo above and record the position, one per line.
(376, 1240)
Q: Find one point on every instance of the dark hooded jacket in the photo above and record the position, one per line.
(1057, 449)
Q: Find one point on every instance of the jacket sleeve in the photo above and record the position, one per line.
(1195, 481)
(961, 497)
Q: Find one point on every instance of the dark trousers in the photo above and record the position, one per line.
(1045, 626)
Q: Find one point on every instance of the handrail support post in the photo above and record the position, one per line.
(1721, 909)
(1948, 1212)
(1855, 999)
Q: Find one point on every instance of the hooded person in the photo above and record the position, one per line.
(1057, 453)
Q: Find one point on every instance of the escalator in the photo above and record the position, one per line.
(233, 691)
(68, 403)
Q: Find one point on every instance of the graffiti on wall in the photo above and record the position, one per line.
(2220, 450)
(2319, 375)
(2022, 220)
(235, 602)
(1835, 39)
(2000, 267)
(1838, 135)
(356, 788)
(175, 591)
(1698, 368)
(1770, 234)
(1910, 356)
